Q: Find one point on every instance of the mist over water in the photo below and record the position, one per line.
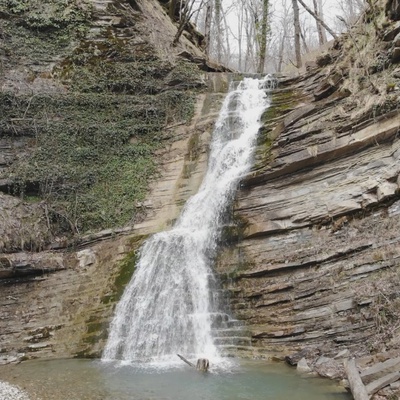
(168, 306)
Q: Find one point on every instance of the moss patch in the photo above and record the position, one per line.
(282, 102)
(41, 30)
(125, 271)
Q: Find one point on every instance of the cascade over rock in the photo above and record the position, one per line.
(312, 261)
(169, 304)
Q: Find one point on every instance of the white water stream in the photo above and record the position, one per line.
(167, 307)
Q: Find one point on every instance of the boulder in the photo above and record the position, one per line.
(396, 55)
(391, 32)
(329, 368)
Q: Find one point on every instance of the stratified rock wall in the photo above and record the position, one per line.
(58, 303)
(93, 94)
(314, 263)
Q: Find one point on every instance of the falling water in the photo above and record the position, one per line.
(167, 307)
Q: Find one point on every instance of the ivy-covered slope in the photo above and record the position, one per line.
(85, 95)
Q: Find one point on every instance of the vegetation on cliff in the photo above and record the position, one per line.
(93, 107)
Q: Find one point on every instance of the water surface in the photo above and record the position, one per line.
(94, 380)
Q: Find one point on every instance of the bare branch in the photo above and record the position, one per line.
(317, 18)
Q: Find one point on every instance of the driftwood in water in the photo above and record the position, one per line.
(357, 387)
(202, 363)
(186, 361)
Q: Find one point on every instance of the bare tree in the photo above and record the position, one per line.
(218, 28)
(320, 29)
(321, 15)
(297, 33)
(187, 10)
(317, 18)
(207, 26)
(263, 38)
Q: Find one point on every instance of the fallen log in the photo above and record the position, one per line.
(380, 383)
(186, 361)
(357, 387)
(202, 363)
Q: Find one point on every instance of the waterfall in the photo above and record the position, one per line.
(167, 307)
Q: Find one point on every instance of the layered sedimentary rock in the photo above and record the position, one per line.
(314, 262)
(58, 302)
(93, 70)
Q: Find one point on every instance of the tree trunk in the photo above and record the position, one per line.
(319, 26)
(172, 8)
(186, 361)
(297, 33)
(318, 19)
(207, 28)
(321, 15)
(218, 19)
(303, 39)
(186, 14)
(263, 38)
(202, 363)
(227, 52)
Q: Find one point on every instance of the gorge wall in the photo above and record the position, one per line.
(313, 264)
(104, 134)
(312, 261)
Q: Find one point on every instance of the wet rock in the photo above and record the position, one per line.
(322, 360)
(302, 366)
(294, 358)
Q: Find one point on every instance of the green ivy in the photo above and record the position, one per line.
(47, 15)
(93, 153)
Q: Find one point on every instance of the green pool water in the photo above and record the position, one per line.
(94, 380)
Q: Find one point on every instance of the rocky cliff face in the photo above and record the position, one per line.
(104, 132)
(314, 263)
(89, 91)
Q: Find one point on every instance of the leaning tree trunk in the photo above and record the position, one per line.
(357, 387)
(317, 18)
